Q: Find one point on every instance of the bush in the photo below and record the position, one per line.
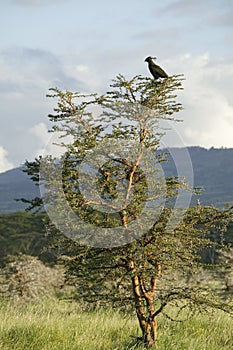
(26, 277)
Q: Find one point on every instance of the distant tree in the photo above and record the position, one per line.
(25, 277)
(225, 272)
(127, 243)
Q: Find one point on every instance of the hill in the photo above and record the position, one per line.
(15, 184)
(213, 170)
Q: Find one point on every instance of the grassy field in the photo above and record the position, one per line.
(60, 325)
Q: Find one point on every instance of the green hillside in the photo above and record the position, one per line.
(23, 233)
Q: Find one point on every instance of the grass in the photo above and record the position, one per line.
(60, 325)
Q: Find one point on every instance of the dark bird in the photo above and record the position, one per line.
(155, 70)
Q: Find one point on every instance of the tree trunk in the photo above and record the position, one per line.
(144, 305)
(149, 333)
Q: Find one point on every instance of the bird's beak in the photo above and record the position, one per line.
(154, 58)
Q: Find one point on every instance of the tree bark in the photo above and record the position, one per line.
(144, 305)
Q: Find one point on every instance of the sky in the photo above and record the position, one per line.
(82, 45)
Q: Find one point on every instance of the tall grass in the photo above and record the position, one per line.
(59, 325)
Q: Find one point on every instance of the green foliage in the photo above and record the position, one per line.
(103, 275)
(126, 268)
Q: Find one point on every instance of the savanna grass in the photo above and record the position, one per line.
(60, 325)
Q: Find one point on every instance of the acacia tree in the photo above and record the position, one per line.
(25, 277)
(123, 238)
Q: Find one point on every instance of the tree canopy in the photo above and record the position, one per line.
(127, 233)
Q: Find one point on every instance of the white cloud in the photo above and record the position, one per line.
(27, 70)
(27, 74)
(5, 164)
(40, 131)
(197, 7)
(41, 139)
(84, 73)
(208, 101)
(45, 142)
(36, 2)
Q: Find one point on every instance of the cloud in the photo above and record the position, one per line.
(45, 142)
(5, 164)
(224, 19)
(29, 69)
(41, 138)
(40, 131)
(26, 76)
(83, 72)
(36, 2)
(207, 99)
(210, 12)
(193, 7)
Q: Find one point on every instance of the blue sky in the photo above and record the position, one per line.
(82, 45)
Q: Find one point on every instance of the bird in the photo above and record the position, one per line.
(155, 70)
